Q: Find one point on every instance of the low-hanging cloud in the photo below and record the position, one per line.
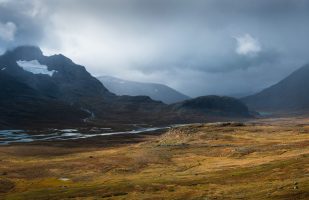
(7, 31)
(199, 47)
(247, 45)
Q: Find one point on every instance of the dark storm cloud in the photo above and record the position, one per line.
(27, 19)
(197, 46)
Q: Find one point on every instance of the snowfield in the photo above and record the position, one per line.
(35, 67)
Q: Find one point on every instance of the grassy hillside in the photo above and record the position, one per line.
(259, 160)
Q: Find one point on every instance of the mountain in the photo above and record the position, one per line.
(58, 90)
(54, 76)
(219, 106)
(289, 95)
(155, 91)
(42, 90)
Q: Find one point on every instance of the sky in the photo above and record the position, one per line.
(199, 47)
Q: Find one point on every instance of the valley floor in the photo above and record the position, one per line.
(263, 159)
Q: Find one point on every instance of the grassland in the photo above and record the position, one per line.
(263, 159)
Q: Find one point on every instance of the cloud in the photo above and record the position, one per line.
(247, 45)
(184, 44)
(3, 1)
(23, 22)
(7, 31)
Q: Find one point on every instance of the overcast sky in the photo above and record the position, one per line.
(223, 47)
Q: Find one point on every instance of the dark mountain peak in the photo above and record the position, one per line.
(301, 72)
(60, 59)
(288, 95)
(138, 99)
(26, 52)
(53, 76)
(306, 66)
(29, 52)
(28, 47)
(215, 105)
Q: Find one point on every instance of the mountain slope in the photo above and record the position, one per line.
(22, 106)
(155, 91)
(290, 94)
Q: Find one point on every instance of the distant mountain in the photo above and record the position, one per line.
(290, 94)
(155, 91)
(213, 106)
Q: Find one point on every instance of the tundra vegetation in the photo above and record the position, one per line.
(258, 159)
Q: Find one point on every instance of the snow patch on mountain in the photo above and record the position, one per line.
(35, 67)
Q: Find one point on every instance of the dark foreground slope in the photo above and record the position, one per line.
(289, 95)
(155, 91)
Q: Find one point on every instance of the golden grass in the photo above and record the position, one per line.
(265, 159)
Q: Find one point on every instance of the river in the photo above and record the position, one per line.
(22, 136)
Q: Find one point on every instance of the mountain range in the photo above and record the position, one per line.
(155, 91)
(57, 80)
(39, 91)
